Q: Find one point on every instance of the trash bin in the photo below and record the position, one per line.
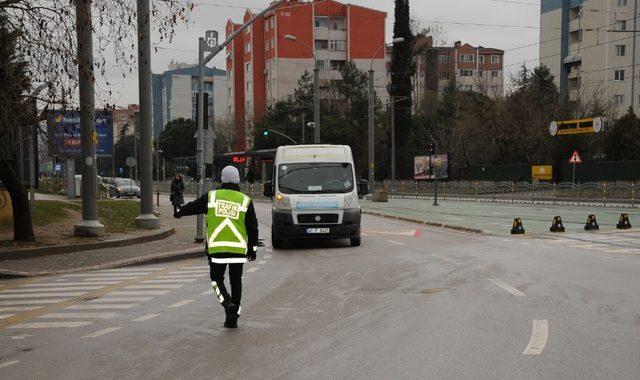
(381, 196)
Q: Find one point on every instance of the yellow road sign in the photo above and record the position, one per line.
(544, 172)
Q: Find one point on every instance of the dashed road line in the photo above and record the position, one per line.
(181, 303)
(7, 364)
(539, 337)
(154, 286)
(113, 299)
(145, 317)
(252, 269)
(48, 325)
(99, 306)
(102, 332)
(20, 337)
(507, 287)
(77, 315)
(396, 243)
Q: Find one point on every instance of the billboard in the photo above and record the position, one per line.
(423, 167)
(63, 128)
(543, 172)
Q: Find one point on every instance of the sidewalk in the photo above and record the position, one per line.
(177, 246)
(497, 218)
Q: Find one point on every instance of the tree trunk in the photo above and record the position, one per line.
(22, 226)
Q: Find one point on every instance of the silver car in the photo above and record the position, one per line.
(124, 187)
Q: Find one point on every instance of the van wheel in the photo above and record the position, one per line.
(276, 243)
(355, 242)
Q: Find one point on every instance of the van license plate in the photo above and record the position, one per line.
(318, 230)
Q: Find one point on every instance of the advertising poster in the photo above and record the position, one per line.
(63, 128)
(424, 167)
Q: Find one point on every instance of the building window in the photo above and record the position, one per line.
(322, 44)
(622, 3)
(273, 42)
(266, 25)
(621, 50)
(334, 26)
(337, 65)
(337, 45)
(267, 44)
(618, 100)
(495, 59)
(466, 73)
(249, 47)
(443, 58)
(466, 58)
(466, 87)
(621, 25)
(443, 75)
(495, 74)
(321, 22)
(481, 59)
(322, 64)
(248, 67)
(248, 30)
(480, 73)
(273, 22)
(230, 73)
(230, 91)
(248, 86)
(619, 75)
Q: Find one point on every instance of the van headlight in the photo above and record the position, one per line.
(280, 202)
(351, 201)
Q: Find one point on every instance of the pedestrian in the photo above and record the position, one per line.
(232, 238)
(177, 188)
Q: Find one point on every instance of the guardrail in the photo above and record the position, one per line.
(605, 193)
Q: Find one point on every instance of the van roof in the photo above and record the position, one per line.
(318, 153)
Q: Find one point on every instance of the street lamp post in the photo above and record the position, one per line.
(316, 88)
(372, 108)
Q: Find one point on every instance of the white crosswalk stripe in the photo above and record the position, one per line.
(76, 315)
(179, 281)
(30, 302)
(48, 325)
(40, 295)
(100, 306)
(154, 286)
(62, 283)
(18, 308)
(3, 316)
(139, 292)
(120, 299)
(59, 289)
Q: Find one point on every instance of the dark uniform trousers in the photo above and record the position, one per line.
(235, 280)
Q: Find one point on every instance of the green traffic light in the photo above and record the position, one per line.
(265, 133)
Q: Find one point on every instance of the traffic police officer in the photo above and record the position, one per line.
(232, 238)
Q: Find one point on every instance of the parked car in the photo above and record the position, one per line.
(123, 187)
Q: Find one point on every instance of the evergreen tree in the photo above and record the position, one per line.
(402, 69)
(623, 140)
(176, 140)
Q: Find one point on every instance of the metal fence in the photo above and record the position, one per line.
(254, 190)
(601, 193)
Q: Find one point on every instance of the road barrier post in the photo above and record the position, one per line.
(557, 225)
(592, 224)
(518, 228)
(624, 223)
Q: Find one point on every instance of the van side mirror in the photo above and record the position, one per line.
(268, 189)
(363, 187)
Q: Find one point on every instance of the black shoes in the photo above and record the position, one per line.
(231, 311)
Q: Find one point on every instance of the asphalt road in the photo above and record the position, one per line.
(411, 302)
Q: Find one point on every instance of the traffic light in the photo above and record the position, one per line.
(205, 124)
(265, 133)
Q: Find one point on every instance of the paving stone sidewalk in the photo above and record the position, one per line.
(497, 218)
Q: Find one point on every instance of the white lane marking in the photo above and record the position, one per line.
(7, 364)
(208, 292)
(179, 281)
(30, 302)
(20, 337)
(18, 308)
(507, 287)
(40, 295)
(190, 272)
(76, 315)
(129, 299)
(139, 293)
(131, 270)
(96, 276)
(99, 306)
(48, 325)
(112, 278)
(181, 303)
(262, 262)
(252, 269)
(69, 284)
(102, 332)
(180, 277)
(396, 243)
(61, 289)
(196, 267)
(539, 336)
(451, 261)
(154, 286)
(4, 316)
(145, 317)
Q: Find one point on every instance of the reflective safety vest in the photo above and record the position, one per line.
(226, 229)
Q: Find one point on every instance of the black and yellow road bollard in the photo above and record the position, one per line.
(592, 223)
(624, 223)
(557, 225)
(518, 228)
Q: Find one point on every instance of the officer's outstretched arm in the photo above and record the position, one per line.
(251, 223)
(199, 206)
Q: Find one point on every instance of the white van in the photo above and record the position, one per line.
(315, 194)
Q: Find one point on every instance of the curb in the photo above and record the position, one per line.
(61, 249)
(136, 261)
(432, 224)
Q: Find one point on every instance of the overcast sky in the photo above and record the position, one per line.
(502, 24)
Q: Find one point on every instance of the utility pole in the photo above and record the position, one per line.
(303, 128)
(146, 219)
(435, 173)
(633, 59)
(202, 61)
(393, 141)
(89, 226)
(316, 103)
(372, 108)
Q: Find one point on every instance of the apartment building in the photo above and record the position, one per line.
(589, 46)
(175, 93)
(476, 68)
(264, 67)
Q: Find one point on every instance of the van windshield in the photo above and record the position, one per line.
(315, 178)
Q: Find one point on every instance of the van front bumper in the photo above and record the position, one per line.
(284, 227)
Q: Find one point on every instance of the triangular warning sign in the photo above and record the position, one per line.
(575, 158)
